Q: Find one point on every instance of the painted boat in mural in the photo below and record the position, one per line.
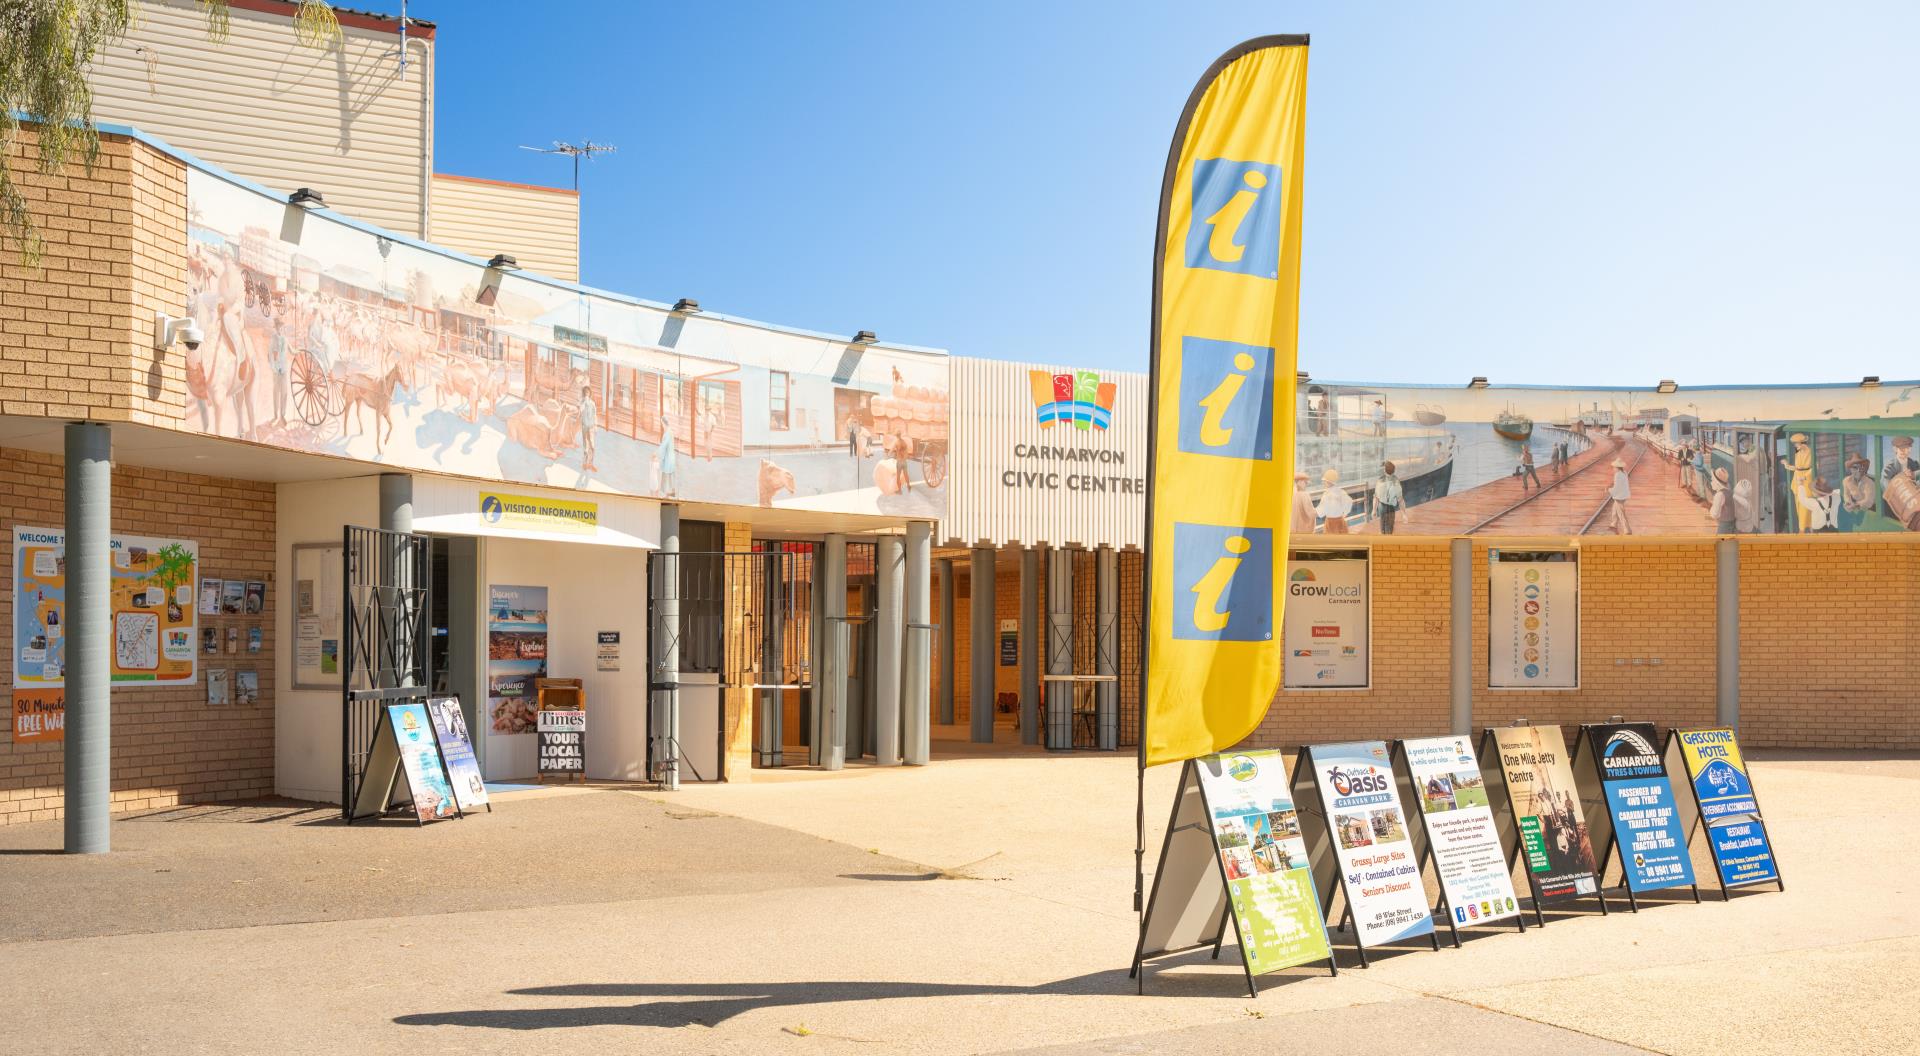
(1348, 430)
(1513, 426)
(1425, 414)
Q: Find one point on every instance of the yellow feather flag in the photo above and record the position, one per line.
(1226, 318)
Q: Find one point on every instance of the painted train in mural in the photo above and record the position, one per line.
(1390, 459)
(327, 337)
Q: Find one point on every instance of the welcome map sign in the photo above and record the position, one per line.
(1378, 866)
(152, 599)
(1264, 857)
(1727, 805)
(1467, 853)
(1646, 828)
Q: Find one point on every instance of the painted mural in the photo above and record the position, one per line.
(1537, 461)
(327, 337)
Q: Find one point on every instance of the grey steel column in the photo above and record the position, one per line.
(1032, 644)
(948, 672)
(916, 744)
(816, 653)
(1060, 648)
(1106, 648)
(1461, 664)
(666, 650)
(396, 502)
(831, 688)
(890, 628)
(1726, 554)
(89, 615)
(981, 607)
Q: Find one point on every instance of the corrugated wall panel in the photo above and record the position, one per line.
(1068, 486)
(344, 121)
(537, 226)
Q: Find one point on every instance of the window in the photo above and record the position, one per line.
(777, 416)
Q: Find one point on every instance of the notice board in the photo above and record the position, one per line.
(155, 621)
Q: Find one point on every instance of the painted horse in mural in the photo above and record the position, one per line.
(775, 479)
(549, 427)
(371, 394)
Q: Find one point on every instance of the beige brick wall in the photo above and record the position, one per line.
(168, 746)
(76, 333)
(1829, 635)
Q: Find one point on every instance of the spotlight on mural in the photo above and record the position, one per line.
(328, 337)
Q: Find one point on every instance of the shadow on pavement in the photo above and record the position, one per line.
(718, 1002)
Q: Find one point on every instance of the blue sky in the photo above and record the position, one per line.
(1585, 194)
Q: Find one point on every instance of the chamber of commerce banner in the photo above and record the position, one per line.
(1738, 836)
(1467, 854)
(1368, 825)
(1640, 803)
(1533, 619)
(1327, 617)
(1556, 846)
(1226, 323)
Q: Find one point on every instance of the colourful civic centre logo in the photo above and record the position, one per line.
(1226, 399)
(1236, 217)
(1223, 577)
(1080, 398)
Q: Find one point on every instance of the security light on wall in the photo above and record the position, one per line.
(1871, 381)
(307, 198)
(1478, 382)
(686, 305)
(864, 337)
(502, 262)
(166, 328)
(1666, 385)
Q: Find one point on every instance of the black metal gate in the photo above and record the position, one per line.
(385, 657)
(748, 617)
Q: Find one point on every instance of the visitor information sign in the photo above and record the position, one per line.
(1724, 791)
(1554, 841)
(1533, 619)
(1640, 803)
(1475, 879)
(1264, 859)
(1368, 826)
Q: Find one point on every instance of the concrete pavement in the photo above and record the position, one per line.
(977, 905)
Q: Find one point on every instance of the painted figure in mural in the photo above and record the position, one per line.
(1858, 494)
(1378, 415)
(1388, 496)
(853, 438)
(1526, 467)
(371, 394)
(1620, 493)
(280, 359)
(1824, 502)
(1745, 517)
(1702, 486)
(1800, 486)
(666, 456)
(1304, 514)
(589, 420)
(1902, 463)
(1721, 508)
(774, 480)
(1335, 504)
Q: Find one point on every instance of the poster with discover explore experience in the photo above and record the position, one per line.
(1269, 880)
(1467, 853)
(1378, 866)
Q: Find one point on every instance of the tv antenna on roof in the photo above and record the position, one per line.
(585, 149)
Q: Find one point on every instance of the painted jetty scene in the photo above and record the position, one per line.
(1382, 459)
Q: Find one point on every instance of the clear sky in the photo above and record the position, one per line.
(1540, 193)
